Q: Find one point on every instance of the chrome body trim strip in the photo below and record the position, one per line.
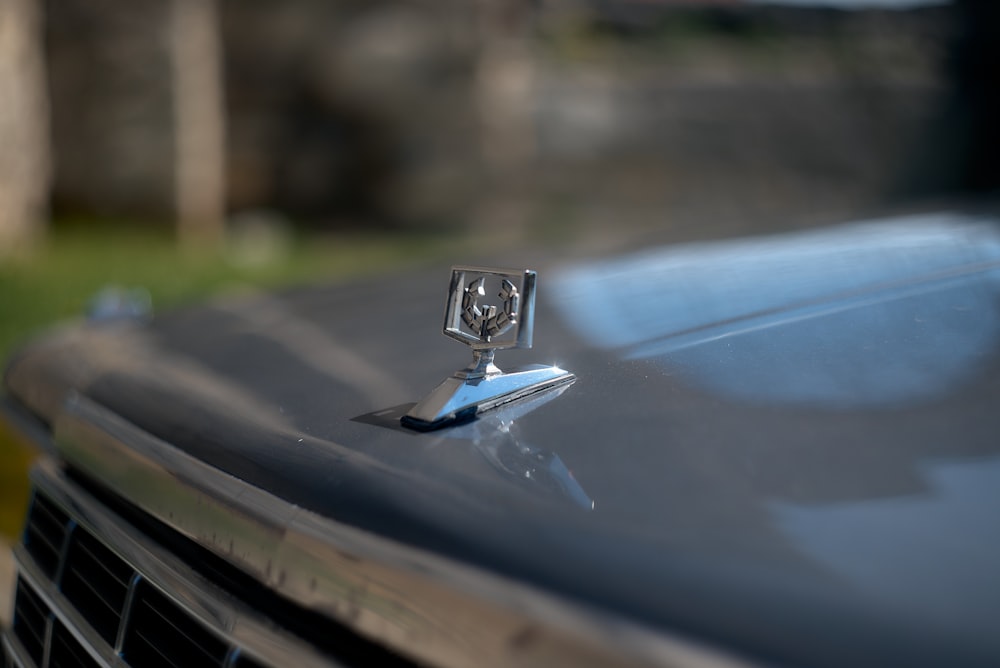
(417, 603)
(215, 609)
(74, 622)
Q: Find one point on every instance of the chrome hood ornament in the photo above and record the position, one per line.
(486, 328)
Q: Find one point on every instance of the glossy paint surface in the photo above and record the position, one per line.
(785, 446)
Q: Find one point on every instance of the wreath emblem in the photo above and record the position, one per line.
(489, 321)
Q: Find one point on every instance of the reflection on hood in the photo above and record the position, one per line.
(949, 536)
(874, 313)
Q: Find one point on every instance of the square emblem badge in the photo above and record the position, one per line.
(491, 308)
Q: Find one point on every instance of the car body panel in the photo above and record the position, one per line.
(789, 445)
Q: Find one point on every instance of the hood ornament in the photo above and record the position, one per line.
(486, 328)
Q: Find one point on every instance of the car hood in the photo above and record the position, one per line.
(773, 443)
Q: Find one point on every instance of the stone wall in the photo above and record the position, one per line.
(355, 112)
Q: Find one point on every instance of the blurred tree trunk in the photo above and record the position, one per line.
(504, 88)
(24, 127)
(199, 112)
(505, 84)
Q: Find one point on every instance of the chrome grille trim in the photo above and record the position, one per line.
(94, 580)
(226, 618)
(16, 654)
(32, 618)
(159, 633)
(420, 604)
(65, 651)
(61, 609)
(46, 536)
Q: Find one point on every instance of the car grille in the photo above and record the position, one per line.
(78, 603)
(31, 619)
(121, 607)
(34, 623)
(96, 582)
(45, 533)
(161, 634)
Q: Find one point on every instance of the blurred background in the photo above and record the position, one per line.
(548, 117)
(187, 146)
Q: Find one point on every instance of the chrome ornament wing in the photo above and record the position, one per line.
(486, 328)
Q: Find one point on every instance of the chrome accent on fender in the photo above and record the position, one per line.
(218, 612)
(482, 386)
(420, 604)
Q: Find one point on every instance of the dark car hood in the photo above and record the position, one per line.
(776, 444)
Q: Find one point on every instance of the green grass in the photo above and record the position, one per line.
(57, 282)
(15, 458)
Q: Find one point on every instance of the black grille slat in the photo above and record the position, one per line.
(95, 581)
(67, 652)
(110, 565)
(45, 533)
(246, 662)
(30, 618)
(40, 540)
(161, 634)
(45, 510)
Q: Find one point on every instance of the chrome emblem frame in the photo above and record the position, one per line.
(486, 323)
(486, 328)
